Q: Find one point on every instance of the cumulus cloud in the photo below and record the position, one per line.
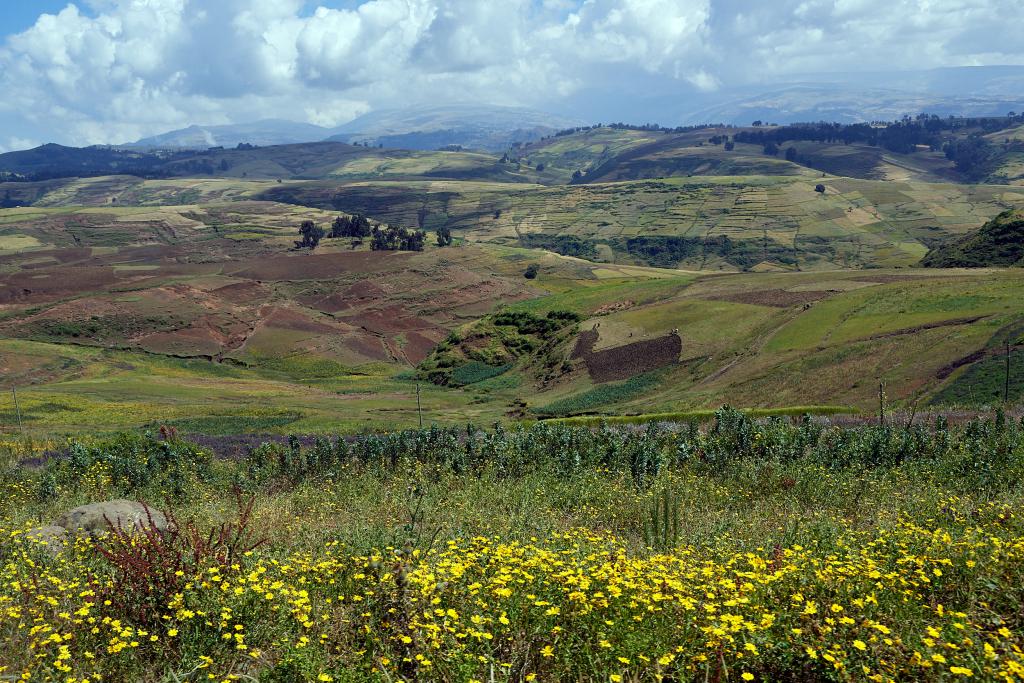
(116, 70)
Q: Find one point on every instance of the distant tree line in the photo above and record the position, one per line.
(630, 126)
(382, 237)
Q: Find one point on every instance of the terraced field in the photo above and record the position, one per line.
(126, 302)
(767, 222)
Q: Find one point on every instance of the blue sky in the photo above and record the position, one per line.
(110, 71)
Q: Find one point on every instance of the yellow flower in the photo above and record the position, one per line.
(747, 676)
(547, 651)
(859, 644)
(325, 677)
(960, 671)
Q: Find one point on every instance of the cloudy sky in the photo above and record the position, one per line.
(110, 71)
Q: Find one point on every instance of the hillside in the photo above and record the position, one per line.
(998, 243)
(308, 160)
(261, 133)
(700, 223)
(480, 127)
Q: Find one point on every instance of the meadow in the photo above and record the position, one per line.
(752, 549)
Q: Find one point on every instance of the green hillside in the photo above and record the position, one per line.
(999, 242)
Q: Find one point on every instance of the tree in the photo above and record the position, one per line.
(311, 235)
(791, 154)
(444, 237)
(771, 149)
(531, 271)
(819, 188)
(350, 226)
(388, 238)
(730, 146)
(758, 123)
(341, 227)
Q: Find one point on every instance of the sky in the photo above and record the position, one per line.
(112, 71)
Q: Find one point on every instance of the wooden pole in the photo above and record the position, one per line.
(17, 409)
(881, 404)
(1006, 383)
(419, 407)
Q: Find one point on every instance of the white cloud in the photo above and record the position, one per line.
(136, 67)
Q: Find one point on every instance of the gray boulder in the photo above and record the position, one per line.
(52, 537)
(98, 518)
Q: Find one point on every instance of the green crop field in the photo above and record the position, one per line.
(131, 302)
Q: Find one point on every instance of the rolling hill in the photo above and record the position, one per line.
(998, 243)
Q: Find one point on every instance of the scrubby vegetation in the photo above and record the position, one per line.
(494, 344)
(750, 550)
(999, 242)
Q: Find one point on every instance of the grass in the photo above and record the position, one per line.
(699, 415)
(556, 553)
(600, 396)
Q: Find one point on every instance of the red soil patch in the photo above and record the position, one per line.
(775, 298)
(417, 347)
(585, 343)
(390, 320)
(287, 319)
(317, 266)
(630, 360)
(369, 346)
(242, 292)
(365, 289)
(40, 286)
(192, 341)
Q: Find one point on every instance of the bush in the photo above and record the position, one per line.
(475, 371)
(128, 464)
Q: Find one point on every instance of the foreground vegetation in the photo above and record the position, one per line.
(751, 550)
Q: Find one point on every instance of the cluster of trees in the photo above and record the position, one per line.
(390, 238)
(383, 237)
(356, 225)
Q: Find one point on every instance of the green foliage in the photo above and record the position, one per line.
(999, 242)
(603, 395)
(566, 245)
(528, 323)
(129, 463)
(220, 425)
(475, 371)
(531, 271)
(356, 226)
(311, 235)
(661, 530)
(983, 383)
(390, 238)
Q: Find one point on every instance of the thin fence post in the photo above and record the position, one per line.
(881, 404)
(1006, 383)
(17, 410)
(419, 407)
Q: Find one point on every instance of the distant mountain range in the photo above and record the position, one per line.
(262, 133)
(845, 98)
(469, 126)
(863, 97)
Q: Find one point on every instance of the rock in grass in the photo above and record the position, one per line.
(97, 518)
(53, 537)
